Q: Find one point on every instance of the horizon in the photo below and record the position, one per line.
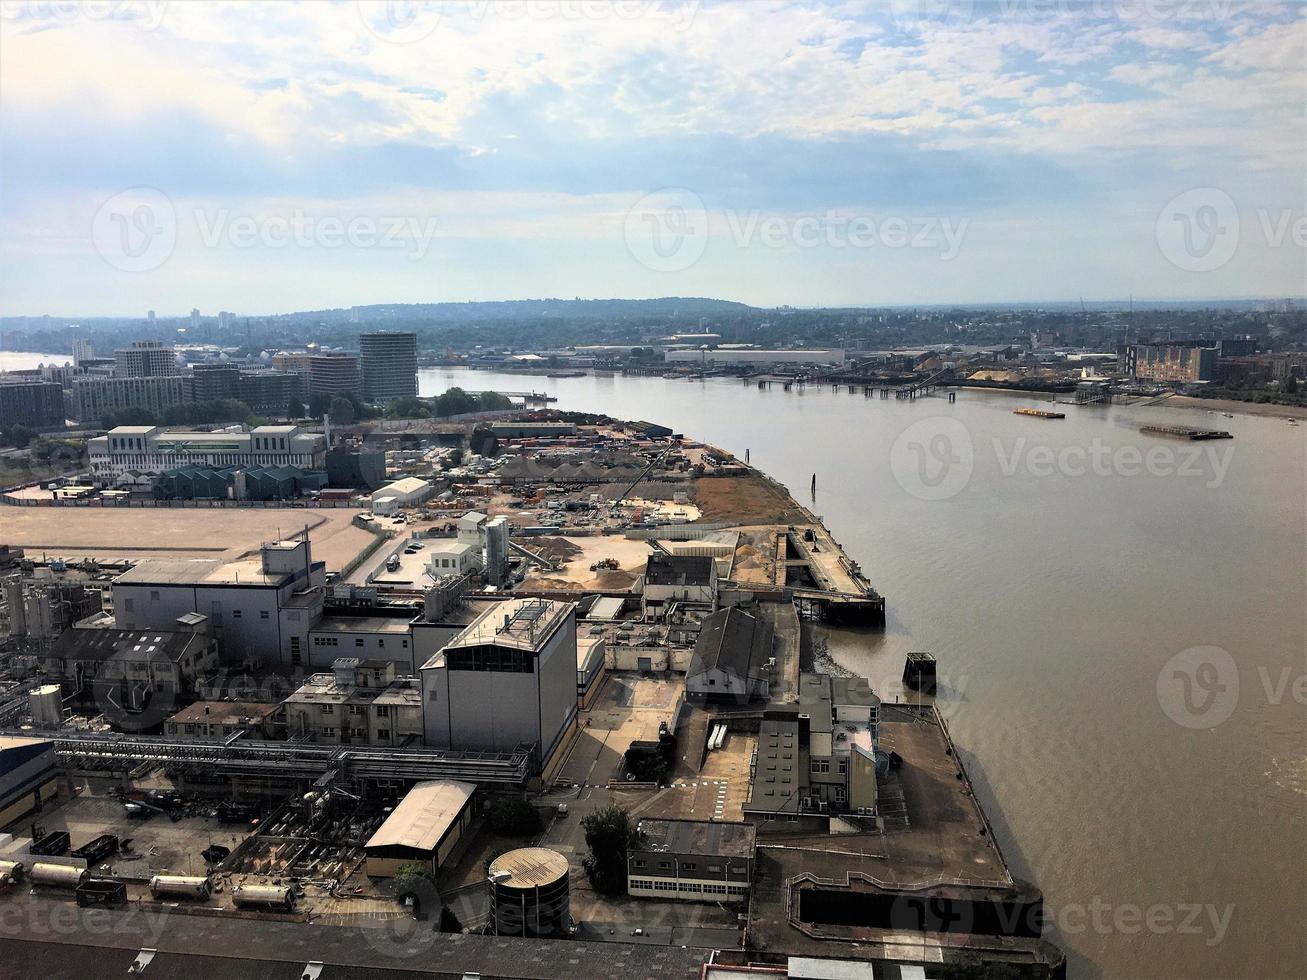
(921, 152)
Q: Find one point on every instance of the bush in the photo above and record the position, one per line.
(514, 817)
(608, 834)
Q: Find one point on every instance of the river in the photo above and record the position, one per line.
(1119, 621)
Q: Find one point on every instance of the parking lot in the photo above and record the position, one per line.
(629, 707)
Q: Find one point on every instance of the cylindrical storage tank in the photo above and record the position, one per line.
(529, 893)
(180, 886)
(12, 870)
(264, 897)
(60, 875)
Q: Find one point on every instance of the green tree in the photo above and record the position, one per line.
(128, 416)
(493, 401)
(455, 401)
(294, 409)
(18, 435)
(608, 834)
(408, 408)
(1290, 386)
(514, 817)
(341, 411)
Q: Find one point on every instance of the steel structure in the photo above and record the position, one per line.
(302, 761)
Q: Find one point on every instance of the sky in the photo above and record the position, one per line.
(268, 157)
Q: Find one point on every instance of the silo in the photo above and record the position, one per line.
(46, 706)
(529, 893)
(496, 532)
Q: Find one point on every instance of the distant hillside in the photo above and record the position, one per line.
(571, 309)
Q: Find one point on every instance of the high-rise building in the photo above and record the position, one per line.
(224, 319)
(270, 392)
(145, 359)
(388, 361)
(93, 396)
(82, 351)
(333, 373)
(195, 318)
(215, 382)
(31, 402)
(149, 316)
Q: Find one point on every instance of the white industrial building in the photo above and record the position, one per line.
(133, 454)
(723, 356)
(408, 492)
(452, 558)
(509, 679)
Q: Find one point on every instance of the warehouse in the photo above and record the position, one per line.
(407, 492)
(27, 777)
(426, 827)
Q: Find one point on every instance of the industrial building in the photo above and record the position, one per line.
(1170, 362)
(32, 402)
(530, 893)
(260, 609)
(733, 658)
(234, 483)
(751, 357)
(693, 860)
(27, 776)
(778, 782)
(843, 715)
(407, 492)
(507, 680)
(220, 720)
(388, 362)
(426, 827)
(671, 579)
(127, 669)
(135, 454)
(361, 702)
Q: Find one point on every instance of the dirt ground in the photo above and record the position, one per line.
(177, 532)
(748, 499)
(578, 554)
(1238, 408)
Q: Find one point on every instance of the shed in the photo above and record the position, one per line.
(426, 827)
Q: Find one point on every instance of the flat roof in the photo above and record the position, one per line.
(224, 712)
(778, 776)
(606, 607)
(524, 624)
(424, 815)
(705, 837)
(203, 571)
(363, 624)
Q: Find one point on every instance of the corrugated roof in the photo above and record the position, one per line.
(424, 815)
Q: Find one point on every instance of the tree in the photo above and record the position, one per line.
(514, 817)
(128, 416)
(341, 411)
(1290, 386)
(455, 401)
(608, 834)
(294, 409)
(18, 435)
(408, 407)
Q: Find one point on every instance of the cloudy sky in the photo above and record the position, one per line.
(267, 157)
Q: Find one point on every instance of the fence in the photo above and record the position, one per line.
(10, 500)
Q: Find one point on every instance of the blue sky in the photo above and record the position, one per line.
(158, 155)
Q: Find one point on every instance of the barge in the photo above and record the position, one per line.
(1039, 413)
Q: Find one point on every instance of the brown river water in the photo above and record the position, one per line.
(1120, 621)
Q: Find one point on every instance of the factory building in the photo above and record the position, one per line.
(407, 492)
(693, 860)
(507, 680)
(134, 454)
(843, 716)
(426, 827)
(259, 609)
(361, 702)
(388, 362)
(220, 720)
(678, 578)
(27, 776)
(733, 660)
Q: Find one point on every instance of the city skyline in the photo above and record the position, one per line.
(911, 153)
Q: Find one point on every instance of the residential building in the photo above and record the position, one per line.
(733, 660)
(34, 403)
(507, 680)
(220, 720)
(93, 397)
(145, 359)
(216, 382)
(133, 454)
(334, 373)
(83, 350)
(388, 362)
(270, 392)
(693, 860)
(361, 702)
(1171, 362)
(843, 717)
(426, 827)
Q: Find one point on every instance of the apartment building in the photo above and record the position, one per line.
(388, 362)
